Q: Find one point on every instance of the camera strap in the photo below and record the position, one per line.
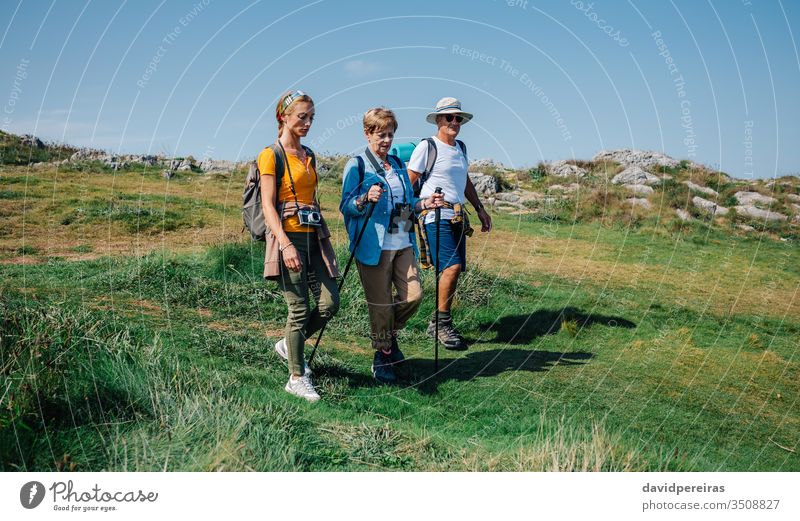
(382, 172)
(291, 179)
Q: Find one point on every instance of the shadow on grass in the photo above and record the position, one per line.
(522, 329)
(479, 364)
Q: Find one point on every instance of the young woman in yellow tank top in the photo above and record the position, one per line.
(301, 235)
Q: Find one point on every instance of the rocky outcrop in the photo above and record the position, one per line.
(484, 164)
(709, 206)
(640, 158)
(683, 215)
(753, 199)
(701, 189)
(486, 185)
(562, 168)
(758, 213)
(793, 197)
(209, 166)
(634, 175)
(31, 141)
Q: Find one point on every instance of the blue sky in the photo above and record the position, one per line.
(712, 81)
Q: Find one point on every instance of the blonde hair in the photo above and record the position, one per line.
(379, 118)
(286, 102)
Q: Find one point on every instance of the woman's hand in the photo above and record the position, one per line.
(436, 200)
(290, 257)
(375, 193)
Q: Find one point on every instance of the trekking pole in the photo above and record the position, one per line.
(438, 219)
(346, 269)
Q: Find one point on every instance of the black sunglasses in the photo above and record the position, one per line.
(449, 118)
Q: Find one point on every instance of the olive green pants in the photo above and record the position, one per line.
(302, 322)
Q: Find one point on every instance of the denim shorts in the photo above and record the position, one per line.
(454, 245)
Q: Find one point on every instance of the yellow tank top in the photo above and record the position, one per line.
(305, 184)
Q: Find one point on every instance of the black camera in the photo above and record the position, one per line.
(309, 217)
(400, 218)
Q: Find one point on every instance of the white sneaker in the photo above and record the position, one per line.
(302, 387)
(280, 348)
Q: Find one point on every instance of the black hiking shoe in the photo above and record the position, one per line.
(397, 356)
(383, 368)
(448, 336)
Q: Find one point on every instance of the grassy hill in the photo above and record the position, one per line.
(137, 335)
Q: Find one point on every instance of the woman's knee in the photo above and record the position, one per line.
(329, 305)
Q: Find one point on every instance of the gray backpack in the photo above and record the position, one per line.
(252, 213)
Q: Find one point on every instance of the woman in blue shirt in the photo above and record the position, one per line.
(387, 254)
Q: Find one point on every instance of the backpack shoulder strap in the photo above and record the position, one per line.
(397, 161)
(310, 153)
(360, 161)
(433, 152)
(462, 146)
(280, 167)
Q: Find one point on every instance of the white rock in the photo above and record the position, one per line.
(745, 227)
(683, 215)
(561, 168)
(640, 158)
(793, 197)
(753, 198)
(758, 213)
(639, 189)
(702, 189)
(709, 206)
(636, 176)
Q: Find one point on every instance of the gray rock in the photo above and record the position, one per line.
(796, 207)
(209, 165)
(640, 158)
(561, 168)
(758, 213)
(793, 197)
(701, 189)
(745, 227)
(168, 174)
(683, 215)
(753, 198)
(634, 175)
(638, 201)
(508, 197)
(709, 206)
(639, 189)
(486, 185)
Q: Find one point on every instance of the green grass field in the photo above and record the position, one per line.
(137, 335)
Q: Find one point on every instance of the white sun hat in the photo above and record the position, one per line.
(447, 106)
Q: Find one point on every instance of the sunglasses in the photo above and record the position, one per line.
(449, 118)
